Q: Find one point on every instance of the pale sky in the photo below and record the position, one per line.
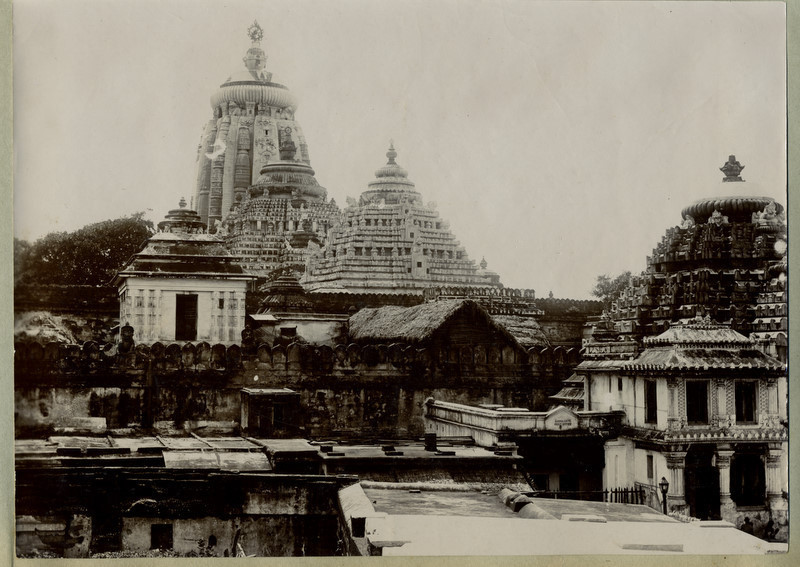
(560, 140)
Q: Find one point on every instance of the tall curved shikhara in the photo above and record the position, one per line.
(251, 145)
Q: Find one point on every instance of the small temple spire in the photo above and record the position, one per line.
(732, 169)
(483, 263)
(391, 154)
(182, 203)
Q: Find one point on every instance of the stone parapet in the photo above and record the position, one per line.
(38, 361)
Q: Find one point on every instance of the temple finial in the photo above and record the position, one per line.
(182, 203)
(483, 263)
(732, 169)
(255, 33)
(391, 154)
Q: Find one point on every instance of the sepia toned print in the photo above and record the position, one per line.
(579, 348)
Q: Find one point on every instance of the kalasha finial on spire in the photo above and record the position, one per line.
(255, 32)
(182, 203)
(483, 263)
(732, 169)
(391, 154)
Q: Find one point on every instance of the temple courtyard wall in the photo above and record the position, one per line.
(354, 390)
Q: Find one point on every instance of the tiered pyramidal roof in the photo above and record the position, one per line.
(390, 242)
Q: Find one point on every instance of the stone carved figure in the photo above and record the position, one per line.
(126, 343)
(717, 218)
(688, 222)
(769, 216)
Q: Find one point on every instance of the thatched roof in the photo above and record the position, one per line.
(526, 330)
(417, 323)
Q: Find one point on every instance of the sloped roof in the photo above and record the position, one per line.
(699, 334)
(417, 323)
(569, 395)
(526, 330)
(656, 358)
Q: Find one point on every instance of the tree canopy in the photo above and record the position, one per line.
(91, 255)
(607, 288)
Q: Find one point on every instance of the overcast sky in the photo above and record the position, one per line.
(560, 139)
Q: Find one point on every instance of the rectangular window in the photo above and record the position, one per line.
(650, 402)
(745, 396)
(138, 301)
(160, 536)
(697, 402)
(221, 304)
(619, 384)
(419, 264)
(650, 474)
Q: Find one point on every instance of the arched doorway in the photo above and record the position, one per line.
(702, 483)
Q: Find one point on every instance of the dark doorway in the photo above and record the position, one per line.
(748, 482)
(702, 483)
(186, 317)
(160, 536)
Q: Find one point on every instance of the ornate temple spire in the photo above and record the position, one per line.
(732, 169)
(255, 59)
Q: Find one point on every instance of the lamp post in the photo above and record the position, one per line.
(664, 486)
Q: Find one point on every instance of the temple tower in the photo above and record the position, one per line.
(254, 178)
(726, 260)
(247, 113)
(390, 242)
(281, 215)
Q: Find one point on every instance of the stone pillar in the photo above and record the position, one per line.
(773, 476)
(723, 458)
(676, 464)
